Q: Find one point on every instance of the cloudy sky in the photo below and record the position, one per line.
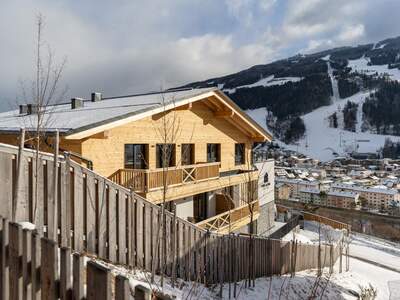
(119, 47)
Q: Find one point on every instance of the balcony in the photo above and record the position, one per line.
(144, 181)
(232, 220)
(182, 181)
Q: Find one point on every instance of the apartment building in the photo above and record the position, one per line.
(296, 185)
(376, 198)
(312, 195)
(190, 148)
(343, 199)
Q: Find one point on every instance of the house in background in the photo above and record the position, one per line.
(197, 142)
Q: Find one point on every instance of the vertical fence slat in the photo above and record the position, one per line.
(65, 274)
(26, 263)
(98, 280)
(6, 163)
(122, 221)
(35, 266)
(102, 217)
(78, 280)
(4, 266)
(15, 257)
(78, 209)
(49, 269)
(112, 224)
(122, 291)
(90, 213)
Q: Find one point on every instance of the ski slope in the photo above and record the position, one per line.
(325, 143)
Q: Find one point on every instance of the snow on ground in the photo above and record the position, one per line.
(310, 235)
(337, 286)
(322, 142)
(361, 65)
(375, 249)
(340, 285)
(267, 81)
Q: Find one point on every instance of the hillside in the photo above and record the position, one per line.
(321, 88)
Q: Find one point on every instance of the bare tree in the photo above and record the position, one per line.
(44, 91)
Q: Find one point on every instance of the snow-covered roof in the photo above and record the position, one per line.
(309, 191)
(363, 189)
(296, 181)
(116, 110)
(346, 194)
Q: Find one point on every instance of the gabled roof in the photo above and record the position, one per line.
(111, 112)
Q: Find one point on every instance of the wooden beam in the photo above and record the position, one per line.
(224, 114)
(185, 107)
(102, 135)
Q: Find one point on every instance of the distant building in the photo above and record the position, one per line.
(282, 191)
(314, 196)
(343, 199)
(298, 184)
(376, 198)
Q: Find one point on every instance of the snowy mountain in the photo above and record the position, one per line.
(325, 104)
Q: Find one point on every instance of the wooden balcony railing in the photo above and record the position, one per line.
(232, 219)
(145, 180)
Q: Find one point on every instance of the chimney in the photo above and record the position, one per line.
(23, 109)
(96, 97)
(76, 103)
(32, 109)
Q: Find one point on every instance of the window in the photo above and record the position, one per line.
(213, 152)
(187, 154)
(165, 155)
(136, 156)
(239, 154)
(266, 178)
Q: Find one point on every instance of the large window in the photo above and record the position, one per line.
(136, 156)
(165, 155)
(187, 154)
(213, 152)
(239, 154)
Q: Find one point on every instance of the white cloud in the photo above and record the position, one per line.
(351, 33)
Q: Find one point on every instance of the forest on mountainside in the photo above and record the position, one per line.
(382, 109)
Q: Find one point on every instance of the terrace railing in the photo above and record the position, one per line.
(142, 181)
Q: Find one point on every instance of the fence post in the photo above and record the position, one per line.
(49, 269)
(35, 267)
(16, 213)
(78, 276)
(53, 228)
(26, 263)
(98, 280)
(65, 274)
(14, 254)
(4, 266)
(122, 291)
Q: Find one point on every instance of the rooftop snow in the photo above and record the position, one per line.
(65, 119)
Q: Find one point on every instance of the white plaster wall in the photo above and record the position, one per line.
(266, 192)
(211, 204)
(184, 207)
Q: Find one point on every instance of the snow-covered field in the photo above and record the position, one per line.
(325, 143)
(337, 286)
(267, 81)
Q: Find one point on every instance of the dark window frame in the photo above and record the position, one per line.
(240, 154)
(135, 151)
(187, 152)
(160, 153)
(213, 152)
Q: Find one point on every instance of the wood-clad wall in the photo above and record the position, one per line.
(198, 126)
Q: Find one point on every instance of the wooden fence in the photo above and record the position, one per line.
(99, 217)
(34, 267)
(285, 229)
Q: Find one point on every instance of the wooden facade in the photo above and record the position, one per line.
(200, 123)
